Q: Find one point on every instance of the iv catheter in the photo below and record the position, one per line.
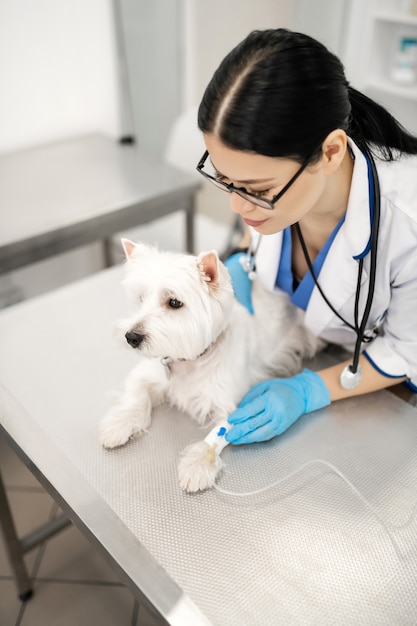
(216, 440)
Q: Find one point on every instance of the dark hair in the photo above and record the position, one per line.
(280, 93)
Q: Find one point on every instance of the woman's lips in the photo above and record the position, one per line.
(254, 223)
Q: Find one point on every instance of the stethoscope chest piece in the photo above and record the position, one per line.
(248, 261)
(349, 379)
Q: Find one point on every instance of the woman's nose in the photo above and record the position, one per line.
(240, 205)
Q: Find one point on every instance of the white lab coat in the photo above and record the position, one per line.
(394, 308)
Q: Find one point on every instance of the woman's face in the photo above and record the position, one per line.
(266, 176)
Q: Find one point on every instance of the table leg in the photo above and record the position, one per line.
(13, 547)
(107, 252)
(16, 547)
(189, 227)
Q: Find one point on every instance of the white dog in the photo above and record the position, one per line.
(201, 349)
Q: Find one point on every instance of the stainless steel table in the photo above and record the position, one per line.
(335, 542)
(67, 194)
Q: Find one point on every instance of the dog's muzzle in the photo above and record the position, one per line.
(134, 339)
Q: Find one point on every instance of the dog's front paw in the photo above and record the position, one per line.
(119, 426)
(198, 467)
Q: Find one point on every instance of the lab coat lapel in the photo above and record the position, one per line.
(338, 276)
(267, 258)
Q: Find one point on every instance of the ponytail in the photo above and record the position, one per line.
(374, 127)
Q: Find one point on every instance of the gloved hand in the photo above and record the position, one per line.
(271, 407)
(242, 285)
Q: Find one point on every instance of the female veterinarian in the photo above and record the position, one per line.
(327, 181)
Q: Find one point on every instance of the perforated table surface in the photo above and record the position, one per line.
(334, 542)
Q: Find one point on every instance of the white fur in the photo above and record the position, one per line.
(217, 351)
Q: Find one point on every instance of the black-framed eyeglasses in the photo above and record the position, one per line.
(241, 191)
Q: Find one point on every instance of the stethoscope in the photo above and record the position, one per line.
(352, 373)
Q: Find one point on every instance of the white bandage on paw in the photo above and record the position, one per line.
(216, 438)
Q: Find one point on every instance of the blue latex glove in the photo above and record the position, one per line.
(242, 285)
(271, 407)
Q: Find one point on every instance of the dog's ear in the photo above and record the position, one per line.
(128, 247)
(208, 263)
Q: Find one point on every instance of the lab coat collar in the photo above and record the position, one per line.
(357, 226)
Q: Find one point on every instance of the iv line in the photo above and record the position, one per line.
(385, 524)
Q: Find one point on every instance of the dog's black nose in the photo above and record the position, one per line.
(134, 339)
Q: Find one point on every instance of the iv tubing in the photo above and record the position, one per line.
(385, 524)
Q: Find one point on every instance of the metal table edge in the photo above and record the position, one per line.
(136, 567)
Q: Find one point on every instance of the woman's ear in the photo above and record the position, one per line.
(334, 149)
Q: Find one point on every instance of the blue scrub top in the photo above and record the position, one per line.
(300, 293)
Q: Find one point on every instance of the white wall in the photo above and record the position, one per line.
(325, 20)
(213, 28)
(58, 71)
(58, 61)
(59, 78)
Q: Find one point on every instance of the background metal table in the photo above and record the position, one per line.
(311, 550)
(67, 194)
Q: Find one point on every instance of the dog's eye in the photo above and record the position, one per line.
(174, 303)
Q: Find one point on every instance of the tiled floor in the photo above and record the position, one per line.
(73, 585)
